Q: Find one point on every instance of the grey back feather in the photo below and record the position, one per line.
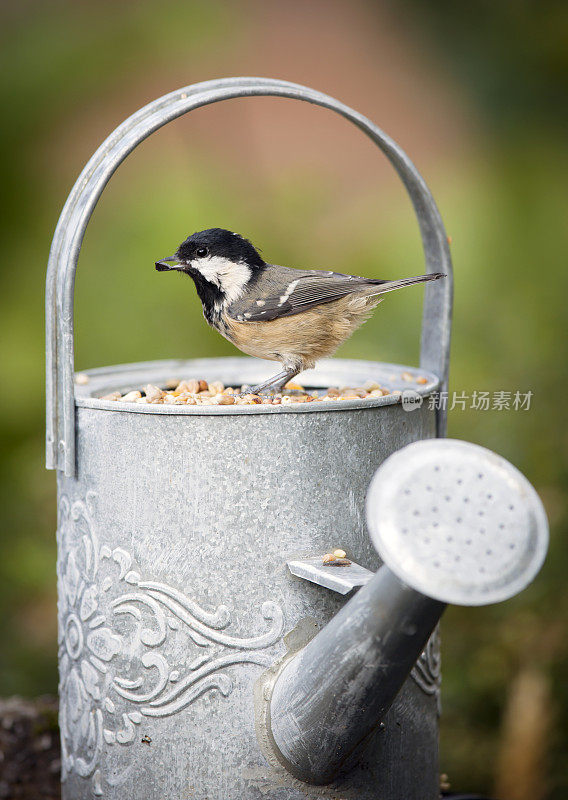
(283, 291)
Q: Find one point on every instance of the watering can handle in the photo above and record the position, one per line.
(435, 345)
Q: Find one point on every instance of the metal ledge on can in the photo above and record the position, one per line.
(339, 579)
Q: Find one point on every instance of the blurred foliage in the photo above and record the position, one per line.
(505, 207)
(511, 55)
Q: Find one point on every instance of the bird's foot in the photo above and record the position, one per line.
(259, 390)
(273, 385)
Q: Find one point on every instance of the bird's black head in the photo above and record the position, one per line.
(219, 243)
(220, 262)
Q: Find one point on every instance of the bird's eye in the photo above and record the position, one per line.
(201, 251)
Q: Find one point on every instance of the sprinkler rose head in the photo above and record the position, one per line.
(457, 522)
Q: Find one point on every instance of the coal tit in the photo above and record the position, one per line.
(288, 315)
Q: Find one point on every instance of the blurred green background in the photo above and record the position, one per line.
(477, 95)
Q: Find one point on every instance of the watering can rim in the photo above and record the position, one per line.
(103, 380)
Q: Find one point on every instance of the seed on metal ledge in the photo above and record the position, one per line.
(112, 396)
(216, 387)
(192, 386)
(81, 379)
(153, 392)
(130, 397)
(406, 376)
(422, 379)
(224, 400)
(339, 553)
(333, 561)
(203, 386)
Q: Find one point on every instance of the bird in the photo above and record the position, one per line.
(283, 314)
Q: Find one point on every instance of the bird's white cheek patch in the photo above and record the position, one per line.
(229, 276)
(235, 280)
(207, 270)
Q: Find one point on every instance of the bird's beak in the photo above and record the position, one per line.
(170, 263)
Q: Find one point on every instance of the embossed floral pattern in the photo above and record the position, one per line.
(108, 613)
(427, 672)
(86, 644)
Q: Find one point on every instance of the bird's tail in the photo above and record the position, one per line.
(389, 286)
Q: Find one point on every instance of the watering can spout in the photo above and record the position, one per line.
(335, 692)
(423, 510)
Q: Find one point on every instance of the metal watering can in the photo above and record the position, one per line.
(191, 588)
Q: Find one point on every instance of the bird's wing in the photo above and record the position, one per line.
(282, 291)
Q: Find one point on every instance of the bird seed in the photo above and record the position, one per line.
(200, 392)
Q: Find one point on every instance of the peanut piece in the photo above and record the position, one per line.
(153, 392)
(216, 387)
(130, 397)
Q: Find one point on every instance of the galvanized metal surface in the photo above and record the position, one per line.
(60, 436)
(327, 700)
(175, 596)
(457, 522)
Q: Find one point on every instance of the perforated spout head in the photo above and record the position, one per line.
(457, 522)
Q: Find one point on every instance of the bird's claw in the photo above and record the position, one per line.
(259, 390)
